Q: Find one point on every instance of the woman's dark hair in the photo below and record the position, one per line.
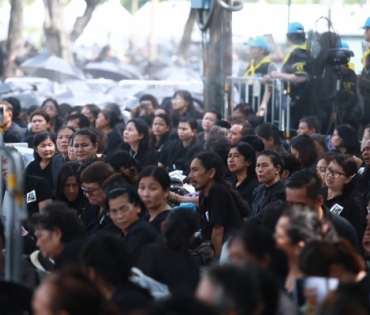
(68, 169)
(109, 114)
(94, 109)
(187, 98)
(349, 138)
(254, 141)
(181, 224)
(320, 139)
(328, 156)
(119, 159)
(211, 160)
(249, 154)
(150, 98)
(268, 130)
(66, 127)
(274, 157)
(101, 139)
(143, 129)
(55, 103)
(96, 172)
(115, 108)
(291, 163)
(87, 133)
(40, 137)
(317, 257)
(306, 149)
(159, 174)
(130, 193)
(214, 112)
(348, 163)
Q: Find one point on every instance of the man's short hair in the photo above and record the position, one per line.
(245, 108)
(58, 215)
(312, 123)
(306, 179)
(247, 128)
(7, 105)
(40, 112)
(83, 121)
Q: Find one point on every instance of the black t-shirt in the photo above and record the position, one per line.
(34, 169)
(219, 208)
(157, 222)
(37, 190)
(246, 187)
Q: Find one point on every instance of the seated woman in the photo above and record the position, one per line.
(154, 189)
(183, 105)
(268, 167)
(51, 107)
(170, 262)
(303, 148)
(106, 122)
(94, 217)
(320, 143)
(40, 122)
(91, 111)
(85, 145)
(242, 163)
(345, 140)
(323, 163)
(209, 119)
(67, 188)
(136, 142)
(182, 150)
(340, 197)
(271, 137)
(160, 138)
(44, 151)
(127, 210)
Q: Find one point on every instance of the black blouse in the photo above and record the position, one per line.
(246, 187)
(34, 169)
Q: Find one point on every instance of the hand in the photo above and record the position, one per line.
(265, 79)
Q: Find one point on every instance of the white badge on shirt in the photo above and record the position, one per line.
(337, 209)
(31, 196)
(207, 216)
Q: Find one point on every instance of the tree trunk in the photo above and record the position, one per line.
(15, 42)
(186, 37)
(57, 39)
(83, 20)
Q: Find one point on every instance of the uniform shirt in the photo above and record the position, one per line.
(219, 208)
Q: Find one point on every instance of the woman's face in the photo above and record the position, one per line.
(152, 193)
(39, 124)
(131, 135)
(336, 140)
(63, 139)
(49, 242)
(184, 131)
(208, 121)
(101, 121)
(320, 169)
(71, 188)
(46, 149)
(83, 148)
(42, 299)
(236, 161)
(266, 171)
(281, 237)
(335, 177)
(93, 193)
(50, 108)
(294, 152)
(71, 153)
(160, 127)
(123, 213)
(179, 104)
(86, 112)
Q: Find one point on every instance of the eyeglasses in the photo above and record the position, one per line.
(333, 173)
(116, 213)
(89, 192)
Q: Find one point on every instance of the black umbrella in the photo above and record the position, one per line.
(116, 71)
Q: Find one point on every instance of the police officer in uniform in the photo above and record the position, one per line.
(294, 71)
(365, 76)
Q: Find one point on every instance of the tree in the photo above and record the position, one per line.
(186, 37)
(57, 39)
(15, 42)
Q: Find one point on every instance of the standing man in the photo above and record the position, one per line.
(365, 76)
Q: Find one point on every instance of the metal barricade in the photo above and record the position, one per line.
(238, 89)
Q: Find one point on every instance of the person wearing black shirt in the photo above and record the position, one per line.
(51, 107)
(304, 189)
(38, 194)
(126, 210)
(16, 104)
(339, 195)
(40, 122)
(136, 142)
(209, 119)
(183, 106)
(268, 167)
(106, 121)
(221, 207)
(154, 188)
(44, 151)
(181, 151)
(242, 162)
(160, 139)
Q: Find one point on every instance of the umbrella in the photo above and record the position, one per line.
(177, 74)
(116, 71)
(52, 68)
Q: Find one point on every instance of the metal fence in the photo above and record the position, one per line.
(249, 90)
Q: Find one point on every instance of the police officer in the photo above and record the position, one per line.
(365, 76)
(259, 50)
(294, 71)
